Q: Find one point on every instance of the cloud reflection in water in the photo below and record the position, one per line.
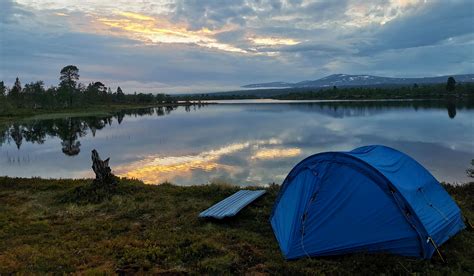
(155, 169)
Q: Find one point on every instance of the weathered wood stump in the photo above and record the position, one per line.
(103, 174)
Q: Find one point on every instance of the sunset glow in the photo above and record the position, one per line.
(155, 169)
(268, 154)
(153, 30)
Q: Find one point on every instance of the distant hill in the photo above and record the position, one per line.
(359, 80)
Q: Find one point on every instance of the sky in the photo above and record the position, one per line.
(198, 46)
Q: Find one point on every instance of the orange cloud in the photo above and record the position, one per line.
(266, 154)
(159, 30)
(137, 16)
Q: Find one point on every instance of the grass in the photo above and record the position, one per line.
(95, 110)
(155, 229)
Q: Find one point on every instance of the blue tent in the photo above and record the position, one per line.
(371, 199)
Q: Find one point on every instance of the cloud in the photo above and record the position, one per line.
(11, 13)
(274, 154)
(201, 46)
(430, 25)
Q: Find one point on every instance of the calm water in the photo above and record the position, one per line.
(244, 143)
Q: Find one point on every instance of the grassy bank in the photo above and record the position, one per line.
(147, 228)
(95, 110)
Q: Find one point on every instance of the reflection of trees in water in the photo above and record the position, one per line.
(451, 106)
(69, 130)
(361, 108)
(16, 135)
(159, 111)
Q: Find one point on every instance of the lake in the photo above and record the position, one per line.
(244, 143)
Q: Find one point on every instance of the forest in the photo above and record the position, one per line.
(69, 93)
(449, 90)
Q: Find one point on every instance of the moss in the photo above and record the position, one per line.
(155, 229)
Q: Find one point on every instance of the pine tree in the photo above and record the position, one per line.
(119, 91)
(451, 84)
(3, 89)
(16, 90)
(68, 78)
(120, 94)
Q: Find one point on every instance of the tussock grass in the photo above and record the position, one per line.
(155, 229)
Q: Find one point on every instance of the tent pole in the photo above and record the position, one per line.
(437, 249)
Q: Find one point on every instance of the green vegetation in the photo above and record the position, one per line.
(46, 226)
(436, 91)
(69, 96)
(28, 114)
(451, 90)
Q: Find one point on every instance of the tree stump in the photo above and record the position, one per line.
(103, 174)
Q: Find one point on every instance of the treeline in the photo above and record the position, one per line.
(68, 94)
(423, 91)
(215, 96)
(431, 91)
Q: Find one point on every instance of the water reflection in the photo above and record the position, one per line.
(341, 109)
(69, 130)
(244, 144)
(451, 106)
(156, 169)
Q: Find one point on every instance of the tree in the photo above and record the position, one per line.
(16, 90)
(101, 88)
(3, 89)
(470, 172)
(33, 93)
(451, 84)
(119, 90)
(69, 76)
(34, 87)
(68, 81)
(120, 94)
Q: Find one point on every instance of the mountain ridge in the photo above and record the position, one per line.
(359, 80)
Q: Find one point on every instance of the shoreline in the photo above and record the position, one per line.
(100, 110)
(104, 110)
